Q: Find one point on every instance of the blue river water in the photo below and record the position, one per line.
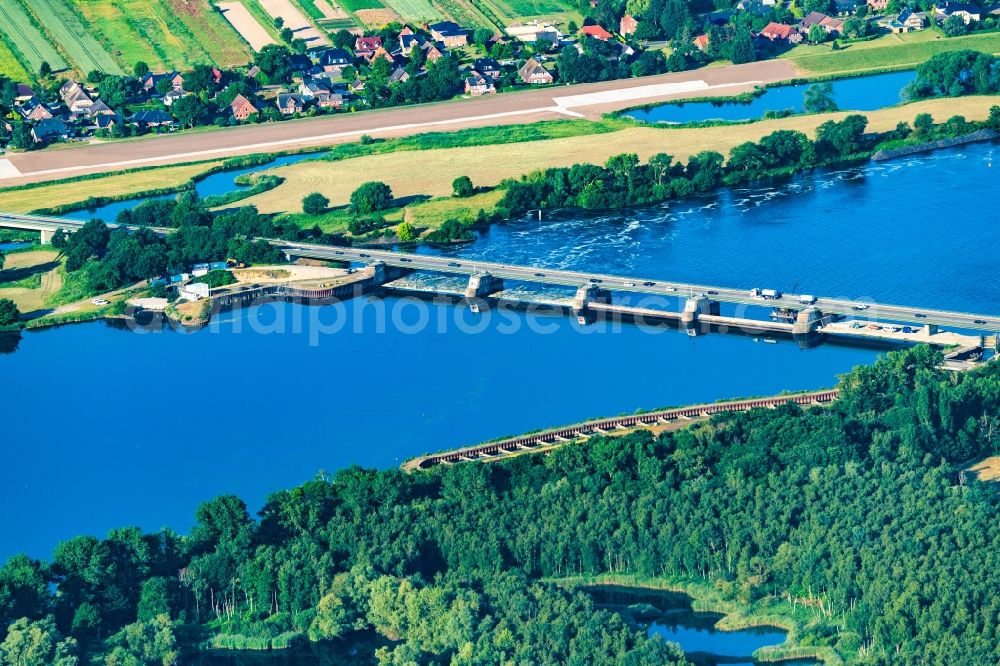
(216, 183)
(863, 93)
(139, 427)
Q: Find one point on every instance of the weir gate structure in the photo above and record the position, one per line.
(807, 320)
(542, 441)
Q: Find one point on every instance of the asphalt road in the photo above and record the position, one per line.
(547, 103)
(874, 311)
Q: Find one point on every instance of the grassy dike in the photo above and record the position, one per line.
(707, 596)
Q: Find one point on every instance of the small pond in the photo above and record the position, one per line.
(862, 93)
(669, 614)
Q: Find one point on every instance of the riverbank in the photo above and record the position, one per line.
(790, 614)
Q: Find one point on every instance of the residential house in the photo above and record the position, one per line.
(779, 32)
(300, 62)
(845, 7)
(49, 129)
(382, 53)
(399, 75)
(328, 100)
(151, 118)
(33, 109)
(628, 25)
(968, 13)
(487, 67)
(75, 97)
(878, 5)
(365, 47)
(105, 122)
(913, 20)
(242, 108)
(533, 73)
(173, 95)
(832, 26)
(477, 84)
(312, 88)
(357, 86)
(289, 103)
(23, 93)
(335, 60)
(99, 108)
(756, 7)
(701, 42)
(431, 52)
(150, 80)
(595, 31)
(448, 33)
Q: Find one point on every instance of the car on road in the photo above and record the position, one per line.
(670, 289)
(539, 274)
(100, 301)
(366, 256)
(404, 259)
(979, 321)
(338, 252)
(628, 284)
(648, 284)
(712, 293)
(861, 306)
(454, 264)
(595, 280)
(920, 315)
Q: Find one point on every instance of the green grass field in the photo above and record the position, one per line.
(76, 39)
(465, 13)
(162, 33)
(891, 51)
(19, 31)
(355, 5)
(415, 10)
(514, 11)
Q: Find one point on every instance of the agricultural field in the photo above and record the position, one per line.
(415, 10)
(465, 13)
(165, 34)
(521, 11)
(65, 28)
(23, 38)
(896, 51)
(327, 14)
(295, 20)
(10, 66)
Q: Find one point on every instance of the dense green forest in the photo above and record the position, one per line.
(860, 508)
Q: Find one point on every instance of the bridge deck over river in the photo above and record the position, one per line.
(497, 272)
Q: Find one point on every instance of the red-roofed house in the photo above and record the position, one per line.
(701, 41)
(779, 32)
(365, 47)
(595, 31)
(242, 108)
(628, 25)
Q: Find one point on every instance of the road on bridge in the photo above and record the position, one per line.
(547, 103)
(647, 286)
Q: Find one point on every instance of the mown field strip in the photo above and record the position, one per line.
(244, 22)
(18, 29)
(71, 34)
